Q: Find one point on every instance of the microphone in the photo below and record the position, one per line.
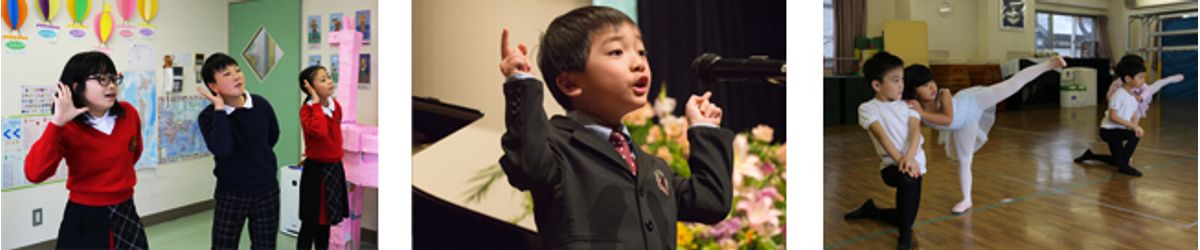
(710, 67)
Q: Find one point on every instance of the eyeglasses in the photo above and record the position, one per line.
(105, 80)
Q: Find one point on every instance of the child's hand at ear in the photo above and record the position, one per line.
(313, 94)
(218, 103)
(512, 60)
(64, 107)
(699, 110)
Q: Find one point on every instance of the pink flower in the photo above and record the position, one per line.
(772, 192)
(748, 167)
(664, 106)
(741, 146)
(761, 214)
(763, 133)
(768, 168)
(726, 228)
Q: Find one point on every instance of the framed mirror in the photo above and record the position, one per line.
(262, 53)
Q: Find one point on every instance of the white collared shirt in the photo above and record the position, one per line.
(246, 105)
(328, 108)
(104, 123)
(604, 132)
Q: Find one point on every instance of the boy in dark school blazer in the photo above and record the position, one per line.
(592, 187)
(241, 130)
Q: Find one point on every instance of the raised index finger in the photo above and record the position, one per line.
(504, 44)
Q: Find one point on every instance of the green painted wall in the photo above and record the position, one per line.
(282, 19)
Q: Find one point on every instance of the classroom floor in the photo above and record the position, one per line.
(195, 232)
(1028, 193)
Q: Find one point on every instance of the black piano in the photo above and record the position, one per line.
(439, 224)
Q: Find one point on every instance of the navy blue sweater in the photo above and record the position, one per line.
(242, 145)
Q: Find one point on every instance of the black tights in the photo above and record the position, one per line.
(310, 234)
(908, 199)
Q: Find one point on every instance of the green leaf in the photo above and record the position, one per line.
(484, 180)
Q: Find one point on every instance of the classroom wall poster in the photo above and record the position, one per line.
(13, 151)
(364, 71)
(314, 60)
(314, 32)
(362, 24)
(333, 66)
(335, 22)
(19, 134)
(139, 90)
(36, 99)
(179, 136)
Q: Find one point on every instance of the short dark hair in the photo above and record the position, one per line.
(1130, 65)
(75, 75)
(307, 75)
(216, 61)
(915, 75)
(879, 64)
(567, 41)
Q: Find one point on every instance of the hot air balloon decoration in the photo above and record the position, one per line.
(148, 9)
(78, 9)
(15, 12)
(126, 9)
(104, 25)
(47, 9)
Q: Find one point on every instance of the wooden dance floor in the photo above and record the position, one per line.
(1028, 193)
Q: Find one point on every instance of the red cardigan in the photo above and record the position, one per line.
(99, 166)
(322, 134)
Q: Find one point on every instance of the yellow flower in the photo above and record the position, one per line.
(748, 238)
(639, 116)
(683, 236)
(763, 133)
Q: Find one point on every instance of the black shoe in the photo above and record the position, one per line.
(1129, 171)
(866, 210)
(905, 244)
(1087, 155)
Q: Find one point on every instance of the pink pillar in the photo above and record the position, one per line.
(348, 42)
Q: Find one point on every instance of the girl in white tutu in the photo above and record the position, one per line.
(964, 119)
